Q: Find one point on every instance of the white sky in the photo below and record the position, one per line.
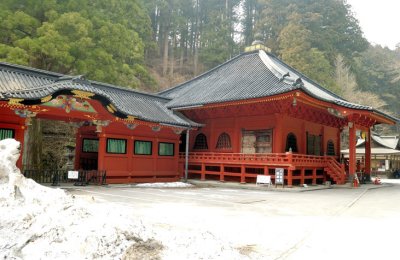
(379, 20)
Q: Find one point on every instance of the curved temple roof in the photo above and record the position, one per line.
(251, 75)
(33, 84)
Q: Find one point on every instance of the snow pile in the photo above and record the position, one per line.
(37, 222)
(164, 185)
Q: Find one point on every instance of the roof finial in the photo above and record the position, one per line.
(257, 44)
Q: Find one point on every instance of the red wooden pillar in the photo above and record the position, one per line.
(221, 173)
(266, 170)
(352, 150)
(302, 174)
(278, 134)
(242, 174)
(303, 141)
(203, 172)
(338, 143)
(368, 154)
(129, 153)
(20, 137)
(314, 176)
(154, 154)
(323, 139)
(102, 151)
(290, 177)
(78, 149)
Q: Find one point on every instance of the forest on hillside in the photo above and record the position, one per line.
(153, 44)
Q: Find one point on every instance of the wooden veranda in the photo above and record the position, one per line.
(299, 168)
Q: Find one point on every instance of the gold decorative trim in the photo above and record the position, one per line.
(111, 108)
(15, 101)
(130, 118)
(82, 94)
(45, 99)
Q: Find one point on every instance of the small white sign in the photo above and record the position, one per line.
(73, 174)
(387, 165)
(279, 176)
(263, 179)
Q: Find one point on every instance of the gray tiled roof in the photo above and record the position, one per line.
(250, 75)
(32, 84)
(243, 77)
(391, 142)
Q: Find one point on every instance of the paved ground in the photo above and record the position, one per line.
(265, 224)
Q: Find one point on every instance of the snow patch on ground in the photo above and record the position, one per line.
(384, 180)
(37, 222)
(165, 185)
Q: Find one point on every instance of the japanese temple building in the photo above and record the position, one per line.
(249, 116)
(385, 153)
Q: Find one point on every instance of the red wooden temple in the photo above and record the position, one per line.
(248, 116)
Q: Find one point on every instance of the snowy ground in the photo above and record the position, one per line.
(202, 223)
(79, 227)
(338, 223)
(164, 185)
(38, 222)
(180, 221)
(177, 221)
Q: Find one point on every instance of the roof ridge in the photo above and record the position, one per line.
(316, 84)
(55, 75)
(207, 72)
(103, 84)
(30, 70)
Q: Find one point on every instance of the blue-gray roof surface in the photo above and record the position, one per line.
(251, 75)
(31, 84)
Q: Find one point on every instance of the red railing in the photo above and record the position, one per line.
(274, 158)
(299, 167)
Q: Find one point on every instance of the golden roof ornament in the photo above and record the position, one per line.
(82, 94)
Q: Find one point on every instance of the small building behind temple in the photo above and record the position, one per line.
(385, 153)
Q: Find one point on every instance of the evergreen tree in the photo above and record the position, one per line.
(105, 40)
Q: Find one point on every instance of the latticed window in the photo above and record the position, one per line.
(166, 149)
(330, 148)
(116, 146)
(313, 144)
(291, 143)
(90, 145)
(6, 133)
(224, 141)
(201, 142)
(143, 147)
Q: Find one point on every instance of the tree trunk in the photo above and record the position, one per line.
(196, 39)
(34, 144)
(165, 52)
(172, 57)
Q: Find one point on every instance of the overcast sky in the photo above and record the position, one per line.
(379, 20)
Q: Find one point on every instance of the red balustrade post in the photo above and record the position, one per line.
(314, 176)
(367, 164)
(289, 156)
(242, 174)
(302, 174)
(203, 172)
(221, 173)
(290, 177)
(266, 170)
